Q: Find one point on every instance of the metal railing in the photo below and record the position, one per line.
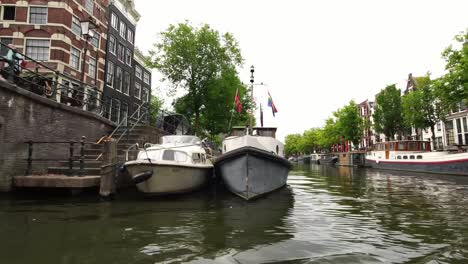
(125, 122)
(41, 79)
(71, 158)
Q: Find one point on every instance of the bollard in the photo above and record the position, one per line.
(108, 169)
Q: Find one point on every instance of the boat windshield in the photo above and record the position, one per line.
(179, 139)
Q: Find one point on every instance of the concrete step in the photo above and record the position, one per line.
(75, 170)
(87, 157)
(92, 152)
(57, 181)
(94, 146)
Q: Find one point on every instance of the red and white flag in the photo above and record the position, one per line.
(238, 101)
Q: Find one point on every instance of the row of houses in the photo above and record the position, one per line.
(454, 131)
(104, 58)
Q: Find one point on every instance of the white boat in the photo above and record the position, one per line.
(253, 165)
(413, 155)
(180, 164)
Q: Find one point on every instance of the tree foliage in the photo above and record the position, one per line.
(202, 63)
(350, 123)
(292, 143)
(154, 108)
(452, 88)
(388, 116)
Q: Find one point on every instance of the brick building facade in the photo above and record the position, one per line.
(50, 32)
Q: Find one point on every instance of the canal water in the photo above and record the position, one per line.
(325, 215)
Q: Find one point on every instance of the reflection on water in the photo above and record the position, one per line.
(325, 215)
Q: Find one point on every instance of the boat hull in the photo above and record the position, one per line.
(169, 178)
(250, 172)
(455, 167)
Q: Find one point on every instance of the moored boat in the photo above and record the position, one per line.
(413, 155)
(180, 164)
(251, 166)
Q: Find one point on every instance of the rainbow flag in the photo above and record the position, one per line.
(271, 104)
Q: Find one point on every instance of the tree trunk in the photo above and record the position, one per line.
(433, 136)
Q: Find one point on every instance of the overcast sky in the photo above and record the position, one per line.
(316, 56)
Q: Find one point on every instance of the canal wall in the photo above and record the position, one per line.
(27, 116)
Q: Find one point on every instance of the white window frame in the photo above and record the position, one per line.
(114, 21)
(130, 35)
(119, 83)
(110, 73)
(114, 51)
(121, 53)
(137, 92)
(147, 95)
(123, 29)
(139, 72)
(74, 56)
(92, 68)
(128, 57)
(2, 12)
(96, 38)
(30, 55)
(46, 14)
(126, 83)
(146, 78)
(78, 31)
(89, 6)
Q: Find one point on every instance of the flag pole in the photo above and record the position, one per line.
(232, 110)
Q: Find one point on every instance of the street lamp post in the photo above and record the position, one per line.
(252, 70)
(87, 33)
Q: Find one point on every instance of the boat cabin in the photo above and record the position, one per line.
(239, 131)
(406, 145)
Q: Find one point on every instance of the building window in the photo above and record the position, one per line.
(3, 49)
(130, 36)
(114, 21)
(128, 57)
(123, 29)
(115, 110)
(126, 83)
(76, 26)
(137, 92)
(465, 127)
(112, 44)
(75, 58)
(121, 53)
(89, 5)
(38, 49)
(439, 127)
(145, 95)
(135, 110)
(9, 12)
(110, 73)
(37, 15)
(92, 68)
(146, 78)
(95, 40)
(459, 131)
(138, 72)
(118, 79)
(124, 113)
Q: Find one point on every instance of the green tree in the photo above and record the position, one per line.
(388, 117)
(330, 134)
(195, 59)
(350, 123)
(452, 88)
(291, 144)
(155, 108)
(220, 110)
(310, 140)
(421, 108)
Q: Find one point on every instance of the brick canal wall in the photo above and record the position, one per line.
(26, 116)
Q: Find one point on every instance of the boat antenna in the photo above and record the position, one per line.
(252, 70)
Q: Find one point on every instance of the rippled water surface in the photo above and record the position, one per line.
(325, 215)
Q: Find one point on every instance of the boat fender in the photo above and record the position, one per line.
(141, 177)
(377, 161)
(123, 168)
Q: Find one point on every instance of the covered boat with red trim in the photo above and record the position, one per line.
(415, 155)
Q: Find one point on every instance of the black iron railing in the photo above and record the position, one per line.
(71, 158)
(41, 79)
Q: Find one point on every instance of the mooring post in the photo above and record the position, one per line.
(109, 168)
(82, 142)
(70, 159)
(30, 151)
